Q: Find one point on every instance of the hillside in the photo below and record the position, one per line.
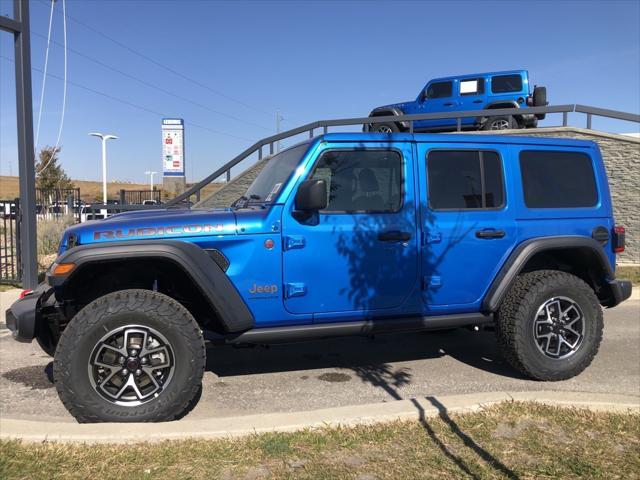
(90, 191)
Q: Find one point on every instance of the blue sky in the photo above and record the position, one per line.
(310, 60)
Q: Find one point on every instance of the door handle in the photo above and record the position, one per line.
(394, 236)
(490, 233)
(448, 104)
(477, 101)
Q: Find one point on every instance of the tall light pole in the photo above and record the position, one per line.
(104, 139)
(151, 174)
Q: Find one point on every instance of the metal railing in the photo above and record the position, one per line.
(10, 267)
(185, 199)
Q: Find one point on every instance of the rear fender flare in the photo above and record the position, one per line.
(526, 251)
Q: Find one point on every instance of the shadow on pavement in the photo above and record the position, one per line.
(477, 350)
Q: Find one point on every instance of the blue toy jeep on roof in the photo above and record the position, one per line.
(478, 91)
(345, 234)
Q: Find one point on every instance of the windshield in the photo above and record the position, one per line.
(274, 175)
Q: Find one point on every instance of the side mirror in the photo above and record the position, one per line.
(311, 196)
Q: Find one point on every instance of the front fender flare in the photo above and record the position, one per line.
(388, 111)
(213, 283)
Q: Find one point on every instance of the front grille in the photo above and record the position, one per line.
(219, 258)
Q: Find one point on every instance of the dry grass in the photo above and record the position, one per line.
(629, 273)
(511, 440)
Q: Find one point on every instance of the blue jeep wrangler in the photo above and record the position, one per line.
(345, 234)
(478, 91)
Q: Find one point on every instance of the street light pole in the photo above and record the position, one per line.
(150, 174)
(104, 139)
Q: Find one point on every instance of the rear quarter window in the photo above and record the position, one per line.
(506, 83)
(557, 179)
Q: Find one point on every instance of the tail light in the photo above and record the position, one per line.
(24, 293)
(618, 239)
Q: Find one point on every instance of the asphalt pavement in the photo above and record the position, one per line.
(343, 372)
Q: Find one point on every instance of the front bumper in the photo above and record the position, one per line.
(620, 291)
(23, 316)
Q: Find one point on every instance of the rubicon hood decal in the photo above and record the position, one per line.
(173, 230)
(156, 224)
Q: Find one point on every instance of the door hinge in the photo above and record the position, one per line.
(295, 289)
(294, 241)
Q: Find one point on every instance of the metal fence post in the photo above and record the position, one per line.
(271, 148)
(588, 121)
(123, 199)
(228, 175)
(325, 129)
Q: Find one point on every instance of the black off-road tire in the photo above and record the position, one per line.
(384, 128)
(540, 100)
(505, 121)
(116, 310)
(515, 318)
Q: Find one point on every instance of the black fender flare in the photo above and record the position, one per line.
(526, 250)
(213, 283)
(389, 111)
(489, 106)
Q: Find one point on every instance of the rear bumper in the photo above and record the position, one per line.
(620, 291)
(22, 316)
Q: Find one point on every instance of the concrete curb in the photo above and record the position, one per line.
(428, 407)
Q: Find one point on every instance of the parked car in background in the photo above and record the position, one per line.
(478, 91)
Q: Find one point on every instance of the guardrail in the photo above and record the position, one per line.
(185, 199)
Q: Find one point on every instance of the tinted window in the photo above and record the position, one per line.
(472, 86)
(361, 181)
(558, 179)
(439, 90)
(506, 83)
(275, 174)
(464, 179)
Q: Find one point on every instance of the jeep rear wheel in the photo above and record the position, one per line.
(130, 356)
(500, 123)
(549, 326)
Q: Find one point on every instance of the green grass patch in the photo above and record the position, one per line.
(510, 440)
(629, 273)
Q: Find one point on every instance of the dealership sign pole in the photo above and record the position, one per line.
(173, 177)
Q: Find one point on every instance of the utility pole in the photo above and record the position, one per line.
(278, 119)
(19, 27)
(104, 139)
(151, 174)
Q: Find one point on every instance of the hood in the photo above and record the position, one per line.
(401, 106)
(152, 224)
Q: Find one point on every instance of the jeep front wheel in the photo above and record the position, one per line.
(130, 356)
(549, 326)
(500, 123)
(384, 128)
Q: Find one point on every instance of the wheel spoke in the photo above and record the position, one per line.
(558, 327)
(136, 369)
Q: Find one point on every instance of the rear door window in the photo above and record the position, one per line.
(506, 83)
(557, 179)
(472, 86)
(464, 180)
(439, 90)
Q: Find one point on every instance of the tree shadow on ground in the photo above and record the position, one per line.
(477, 350)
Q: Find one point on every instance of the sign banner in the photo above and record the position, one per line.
(173, 147)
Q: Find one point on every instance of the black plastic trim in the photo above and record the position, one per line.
(384, 111)
(525, 251)
(22, 316)
(299, 333)
(216, 287)
(621, 290)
